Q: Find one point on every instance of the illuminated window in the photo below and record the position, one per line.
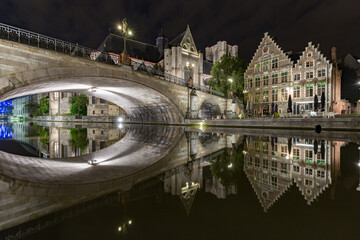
(308, 183)
(321, 88)
(284, 94)
(309, 63)
(274, 96)
(265, 96)
(296, 91)
(309, 90)
(275, 63)
(265, 65)
(284, 77)
(274, 78)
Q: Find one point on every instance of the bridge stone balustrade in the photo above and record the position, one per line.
(26, 70)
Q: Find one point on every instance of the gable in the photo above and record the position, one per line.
(187, 42)
(311, 53)
(267, 50)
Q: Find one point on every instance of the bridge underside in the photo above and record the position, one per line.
(141, 103)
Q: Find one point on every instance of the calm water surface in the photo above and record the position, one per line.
(213, 184)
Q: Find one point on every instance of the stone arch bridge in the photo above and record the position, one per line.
(27, 68)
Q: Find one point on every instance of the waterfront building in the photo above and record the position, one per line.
(273, 75)
(21, 105)
(101, 107)
(59, 103)
(178, 57)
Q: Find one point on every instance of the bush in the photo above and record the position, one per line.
(241, 116)
(276, 115)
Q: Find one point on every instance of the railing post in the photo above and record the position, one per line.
(55, 44)
(18, 35)
(38, 40)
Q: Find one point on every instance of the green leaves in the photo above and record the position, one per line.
(44, 106)
(78, 105)
(228, 68)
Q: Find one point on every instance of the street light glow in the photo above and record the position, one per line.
(230, 80)
(130, 33)
(119, 27)
(187, 64)
(230, 165)
(130, 222)
(119, 229)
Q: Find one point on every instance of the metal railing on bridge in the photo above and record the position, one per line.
(41, 41)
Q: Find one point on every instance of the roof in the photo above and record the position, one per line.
(176, 41)
(207, 67)
(115, 44)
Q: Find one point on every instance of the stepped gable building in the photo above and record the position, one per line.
(273, 75)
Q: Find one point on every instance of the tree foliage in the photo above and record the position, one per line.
(43, 109)
(228, 67)
(228, 166)
(78, 138)
(78, 105)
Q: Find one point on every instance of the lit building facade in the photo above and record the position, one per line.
(273, 75)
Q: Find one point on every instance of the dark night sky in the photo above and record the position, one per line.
(241, 22)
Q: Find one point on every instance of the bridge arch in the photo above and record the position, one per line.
(209, 108)
(144, 98)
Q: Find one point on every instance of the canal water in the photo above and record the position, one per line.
(193, 183)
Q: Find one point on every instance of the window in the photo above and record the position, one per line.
(56, 95)
(296, 154)
(93, 100)
(320, 174)
(274, 149)
(321, 73)
(102, 144)
(309, 171)
(102, 111)
(296, 91)
(309, 63)
(257, 97)
(257, 82)
(274, 166)
(319, 159)
(265, 163)
(308, 182)
(63, 95)
(102, 100)
(188, 73)
(309, 90)
(93, 112)
(284, 77)
(320, 89)
(309, 75)
(257, 68)
(274, 95)
(265, 148)
(265, 65)
(250, 161)
(250, 83)
(265, 96)
(257, 162)
(283, 168)
(275, 63)
(296, 169)
(283, 150)
(266, 80)
(297, 77)
(274, 181)
(308, 156)
(274, 78)
(284, 94)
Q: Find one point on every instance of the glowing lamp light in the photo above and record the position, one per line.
(92, 162)
(130, 222)
(358, 164)
(287, 157)
(230, 80)
(130, 33)
(187, 64)
(119, 229)
(120, 119)
(119, 27)
(230, 165)
(193, 65)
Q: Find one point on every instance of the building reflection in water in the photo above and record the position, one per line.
(273, 164)
(61, 142)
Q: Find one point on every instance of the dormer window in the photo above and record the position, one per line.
(185, 47)
(192, 49)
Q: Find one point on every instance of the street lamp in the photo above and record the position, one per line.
(124, 31)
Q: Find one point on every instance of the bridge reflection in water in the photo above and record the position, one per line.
(184, 163)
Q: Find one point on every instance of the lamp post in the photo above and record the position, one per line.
(125, 32)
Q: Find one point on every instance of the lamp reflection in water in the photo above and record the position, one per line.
(123, 198)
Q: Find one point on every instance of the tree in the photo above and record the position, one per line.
(78, 138)
(228, 67)
(78, 105)
(33, 108)
(44, 106)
